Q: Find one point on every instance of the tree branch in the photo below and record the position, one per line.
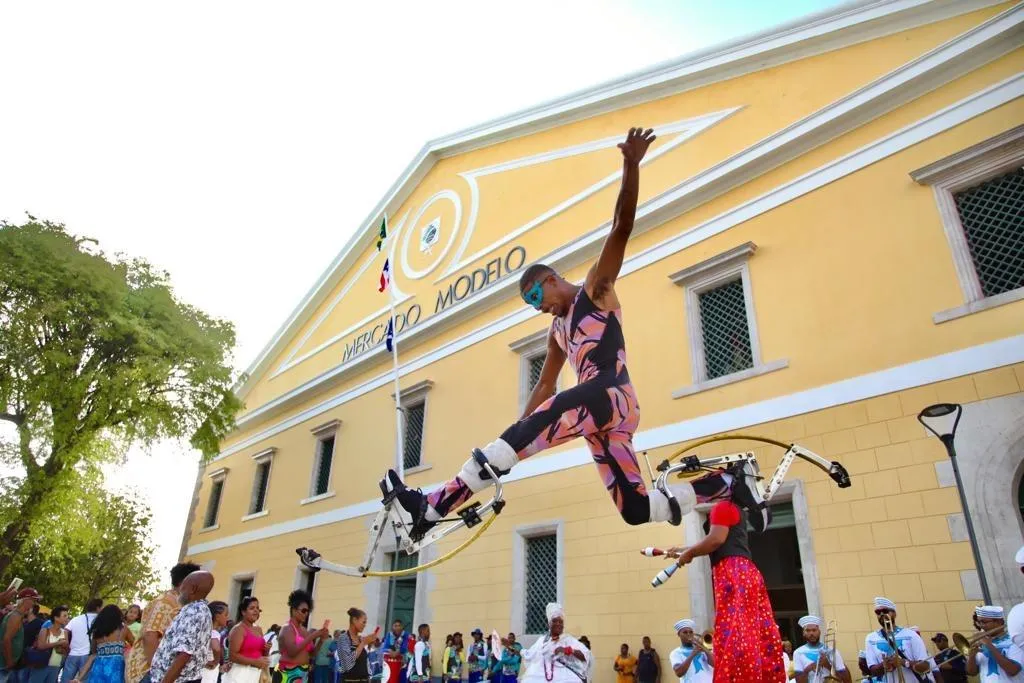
(17, 419)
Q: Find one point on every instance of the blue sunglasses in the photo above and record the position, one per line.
(534, 295)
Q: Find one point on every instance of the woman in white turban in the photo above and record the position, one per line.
(557, 657)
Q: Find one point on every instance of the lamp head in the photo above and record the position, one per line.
(941, 419)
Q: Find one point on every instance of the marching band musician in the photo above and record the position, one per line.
(691, 661)
(994, 658)
(811, 661)
(557, 657)
(909, 654)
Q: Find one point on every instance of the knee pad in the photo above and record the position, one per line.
(660, 511)
(684, 494)
(501, 457)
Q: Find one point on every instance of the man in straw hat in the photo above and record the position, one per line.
(557, 657)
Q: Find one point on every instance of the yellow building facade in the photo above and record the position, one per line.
(828, 240)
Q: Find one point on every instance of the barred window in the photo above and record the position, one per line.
(213, 508)
(541, 580)
(725, 331)
(534, 366)
(992, 215)
(412, 455)
(324, 460)
(259, 487)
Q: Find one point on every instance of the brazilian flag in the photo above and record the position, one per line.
(383, 232)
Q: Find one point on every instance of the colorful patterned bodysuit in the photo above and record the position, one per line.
(602, 408)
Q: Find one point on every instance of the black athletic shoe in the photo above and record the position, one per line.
(412, 501)
(309, 558)
(746, 490)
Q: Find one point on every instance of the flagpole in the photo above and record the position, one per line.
(399, 451)
(399, 455)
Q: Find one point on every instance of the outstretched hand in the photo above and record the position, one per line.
(636, 144)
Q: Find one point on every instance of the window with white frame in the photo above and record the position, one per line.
(242, 586)
(537, 571)
(414, 418)
(323, 461)
(721, 325)
(217, 478)
(532, 352)
(980, 195)
(260, 481)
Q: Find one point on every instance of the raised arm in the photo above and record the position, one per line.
(545, 387)
(602, 276)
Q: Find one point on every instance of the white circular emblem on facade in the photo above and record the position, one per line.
(431, 235)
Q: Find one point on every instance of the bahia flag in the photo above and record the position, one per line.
(383, 232)
(385, 276)
(389, 339)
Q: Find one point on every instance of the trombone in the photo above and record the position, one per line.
(830, 645)
(888, 632)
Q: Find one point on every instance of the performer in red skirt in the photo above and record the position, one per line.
(748, 647)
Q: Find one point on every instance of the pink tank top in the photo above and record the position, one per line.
(301, 642)
(252, 645)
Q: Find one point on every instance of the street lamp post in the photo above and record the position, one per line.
(941, 420)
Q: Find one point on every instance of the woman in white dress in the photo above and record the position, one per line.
(557, 657)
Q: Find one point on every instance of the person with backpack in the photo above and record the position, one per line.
(12, 635)
(31, 658)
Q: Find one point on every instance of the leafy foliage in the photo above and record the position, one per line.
(86, 542)
(96, 353)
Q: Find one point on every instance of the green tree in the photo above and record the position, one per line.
(87, 542)
(97, 353)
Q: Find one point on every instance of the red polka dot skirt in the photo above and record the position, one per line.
(748, 647)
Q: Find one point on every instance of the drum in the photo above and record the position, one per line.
(393, 662)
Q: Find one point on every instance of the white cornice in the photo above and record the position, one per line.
(845, 25)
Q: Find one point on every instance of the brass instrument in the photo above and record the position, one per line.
(889, 632)
(830, 645)
(709, 641)
(963, 645)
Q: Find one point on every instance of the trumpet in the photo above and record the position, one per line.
(963, 645)
(709, 641)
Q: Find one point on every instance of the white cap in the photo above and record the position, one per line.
(810, 620)
(989, 612)
(685, 623)
(885, 603)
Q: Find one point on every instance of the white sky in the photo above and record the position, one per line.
(238, 144)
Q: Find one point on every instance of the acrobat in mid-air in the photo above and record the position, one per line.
(602, 408)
